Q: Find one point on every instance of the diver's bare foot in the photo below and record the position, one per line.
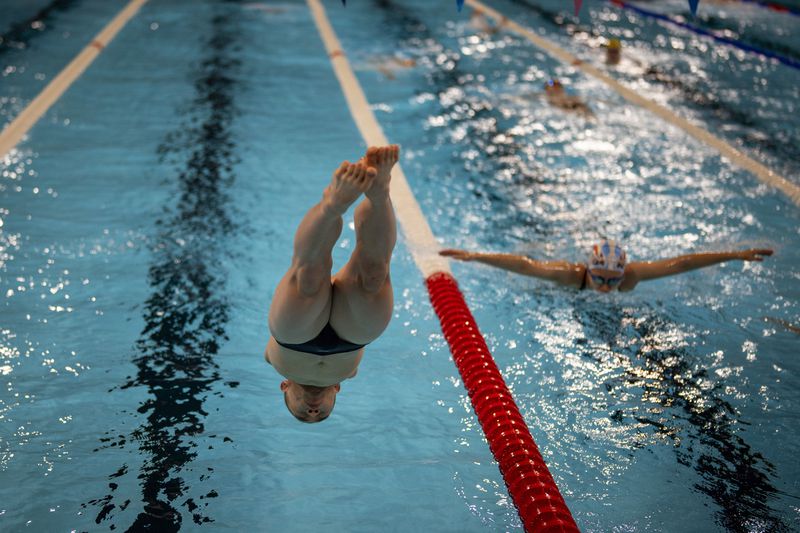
(349, 181)
(382, 159)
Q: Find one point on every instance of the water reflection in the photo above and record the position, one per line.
(487, 147)
(720, 104)
(659, 382)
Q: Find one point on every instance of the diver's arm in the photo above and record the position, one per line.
(645, 270)
(562, 272)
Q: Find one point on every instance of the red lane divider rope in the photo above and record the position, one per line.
(535, 494)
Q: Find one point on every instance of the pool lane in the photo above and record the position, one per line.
(760, 171)
(136, 443)
(770, 135)
(187, 313)
(63, 28)
(462, 108)
(529, 482)
(14, 132)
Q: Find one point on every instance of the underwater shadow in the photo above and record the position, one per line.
(187, 312)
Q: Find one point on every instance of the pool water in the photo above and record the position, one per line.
(148, 216)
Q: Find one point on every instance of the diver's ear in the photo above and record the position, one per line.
(284, 385)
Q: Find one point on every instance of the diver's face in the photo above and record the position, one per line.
(603, 280)
(309, 403)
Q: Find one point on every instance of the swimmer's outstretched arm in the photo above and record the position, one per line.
(784, 323)
(562, 272)
(645, 270)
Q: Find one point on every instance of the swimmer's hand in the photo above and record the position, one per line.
(461, 255)
(754, 254)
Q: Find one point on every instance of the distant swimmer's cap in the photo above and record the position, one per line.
(614, 44)
(607, 255)
(552, 83)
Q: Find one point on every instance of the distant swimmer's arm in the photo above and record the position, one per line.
(645, 270)
(562, 272)
(784, 323)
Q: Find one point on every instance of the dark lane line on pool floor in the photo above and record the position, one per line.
(736, 478)
(187, 313)
(20, 34)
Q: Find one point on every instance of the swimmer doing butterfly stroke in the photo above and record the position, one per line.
(321, 324)
(606, 268)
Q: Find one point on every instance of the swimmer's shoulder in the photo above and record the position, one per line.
(631, 278)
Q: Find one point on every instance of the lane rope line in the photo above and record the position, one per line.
(780, 8)
(735, 156)
(14, 132)
(530, 484)
(420, 239)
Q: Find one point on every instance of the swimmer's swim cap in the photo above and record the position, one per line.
(607, 255)
(614, 44)
(552, 83)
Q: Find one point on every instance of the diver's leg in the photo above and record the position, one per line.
(362, 290)
(302, 302)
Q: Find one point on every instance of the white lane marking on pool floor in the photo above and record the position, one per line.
(762, 172)
(16, 130)
(419, 237)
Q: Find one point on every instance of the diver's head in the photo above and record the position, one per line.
(309, 403)
(605, 267)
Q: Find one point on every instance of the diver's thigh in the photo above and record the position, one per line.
(295, 317)
(357, 315)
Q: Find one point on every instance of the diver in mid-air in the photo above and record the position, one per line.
(320, 323)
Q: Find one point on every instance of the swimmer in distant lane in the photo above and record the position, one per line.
(613, 52)
(321, 324)
(558, 97)
(606, 268)
(480, 22)
(388, 66)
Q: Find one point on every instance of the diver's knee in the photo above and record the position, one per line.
(373, 275)
(312, 279)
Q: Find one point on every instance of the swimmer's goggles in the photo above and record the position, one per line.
(602, 280)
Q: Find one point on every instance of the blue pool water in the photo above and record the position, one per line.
(148, 216)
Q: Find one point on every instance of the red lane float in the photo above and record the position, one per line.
(540, 505)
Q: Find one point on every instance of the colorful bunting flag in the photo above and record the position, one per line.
(460, 5)
(578, 4)
(693, 6)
